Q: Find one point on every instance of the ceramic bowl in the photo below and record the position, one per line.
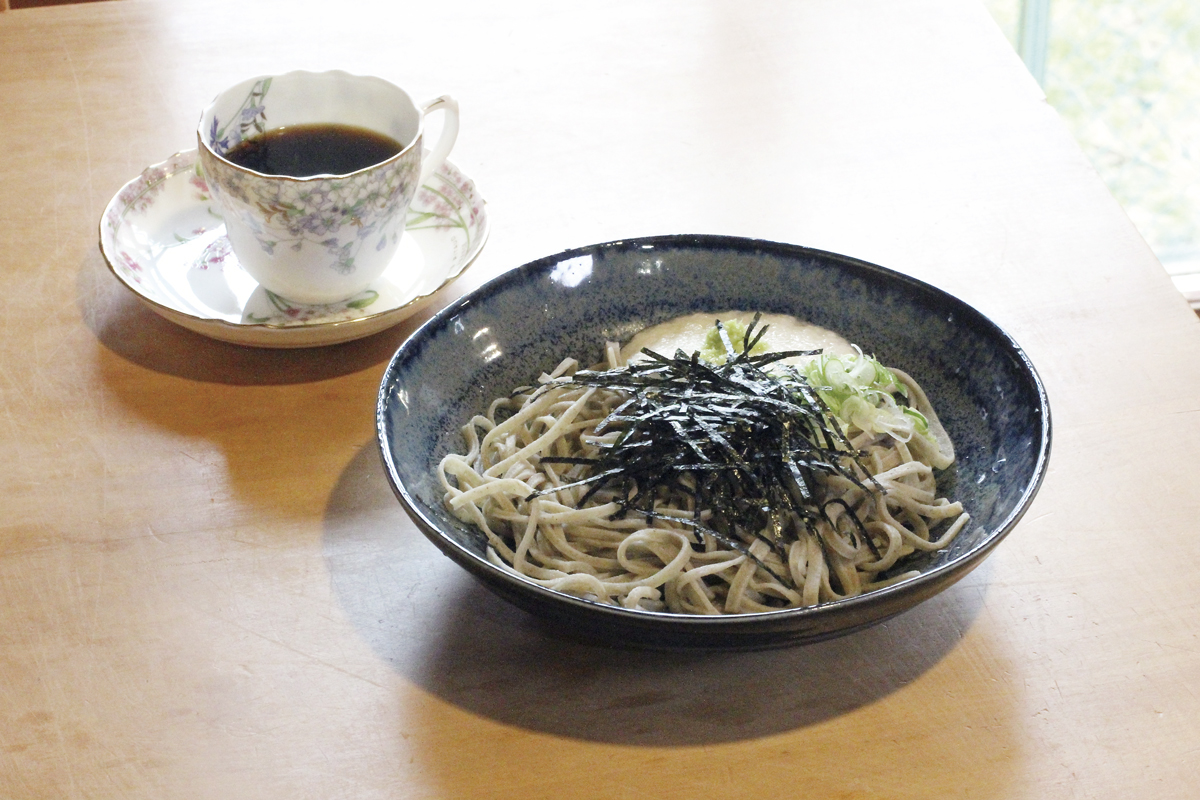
(507, 332)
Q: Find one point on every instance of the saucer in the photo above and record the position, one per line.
(163, 237)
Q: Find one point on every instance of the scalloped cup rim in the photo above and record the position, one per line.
(204, 145)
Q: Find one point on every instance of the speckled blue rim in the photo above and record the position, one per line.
(505, 333)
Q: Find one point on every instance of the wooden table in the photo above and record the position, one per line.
(208, 591)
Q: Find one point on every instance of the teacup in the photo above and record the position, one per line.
(319, 238)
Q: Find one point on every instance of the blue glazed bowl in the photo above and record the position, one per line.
(507, 332)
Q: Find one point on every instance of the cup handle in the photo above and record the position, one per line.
(437, 156)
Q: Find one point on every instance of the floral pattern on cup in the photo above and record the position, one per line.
(249, 120)
(339, 215)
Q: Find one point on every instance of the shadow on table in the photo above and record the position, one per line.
(445, 632)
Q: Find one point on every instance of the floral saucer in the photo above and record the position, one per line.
(163, 237)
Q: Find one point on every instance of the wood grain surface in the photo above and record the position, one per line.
(208, 591)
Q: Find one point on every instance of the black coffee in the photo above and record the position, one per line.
(322, 149)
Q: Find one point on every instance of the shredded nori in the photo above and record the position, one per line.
(752, 447)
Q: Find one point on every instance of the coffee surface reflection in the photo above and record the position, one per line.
(301, 151)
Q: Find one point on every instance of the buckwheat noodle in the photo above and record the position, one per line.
(665, 563)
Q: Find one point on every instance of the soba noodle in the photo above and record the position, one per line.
(526, 481)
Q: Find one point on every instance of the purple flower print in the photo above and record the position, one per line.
(251, 117)
(341, 215)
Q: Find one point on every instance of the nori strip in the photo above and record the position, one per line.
(755, 444)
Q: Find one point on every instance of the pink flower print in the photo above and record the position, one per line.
(215, 254)
(131, 266)
(199, 184)
(139, 195)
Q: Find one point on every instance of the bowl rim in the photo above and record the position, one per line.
(928, 582)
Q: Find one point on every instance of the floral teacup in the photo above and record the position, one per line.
(320, 238)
